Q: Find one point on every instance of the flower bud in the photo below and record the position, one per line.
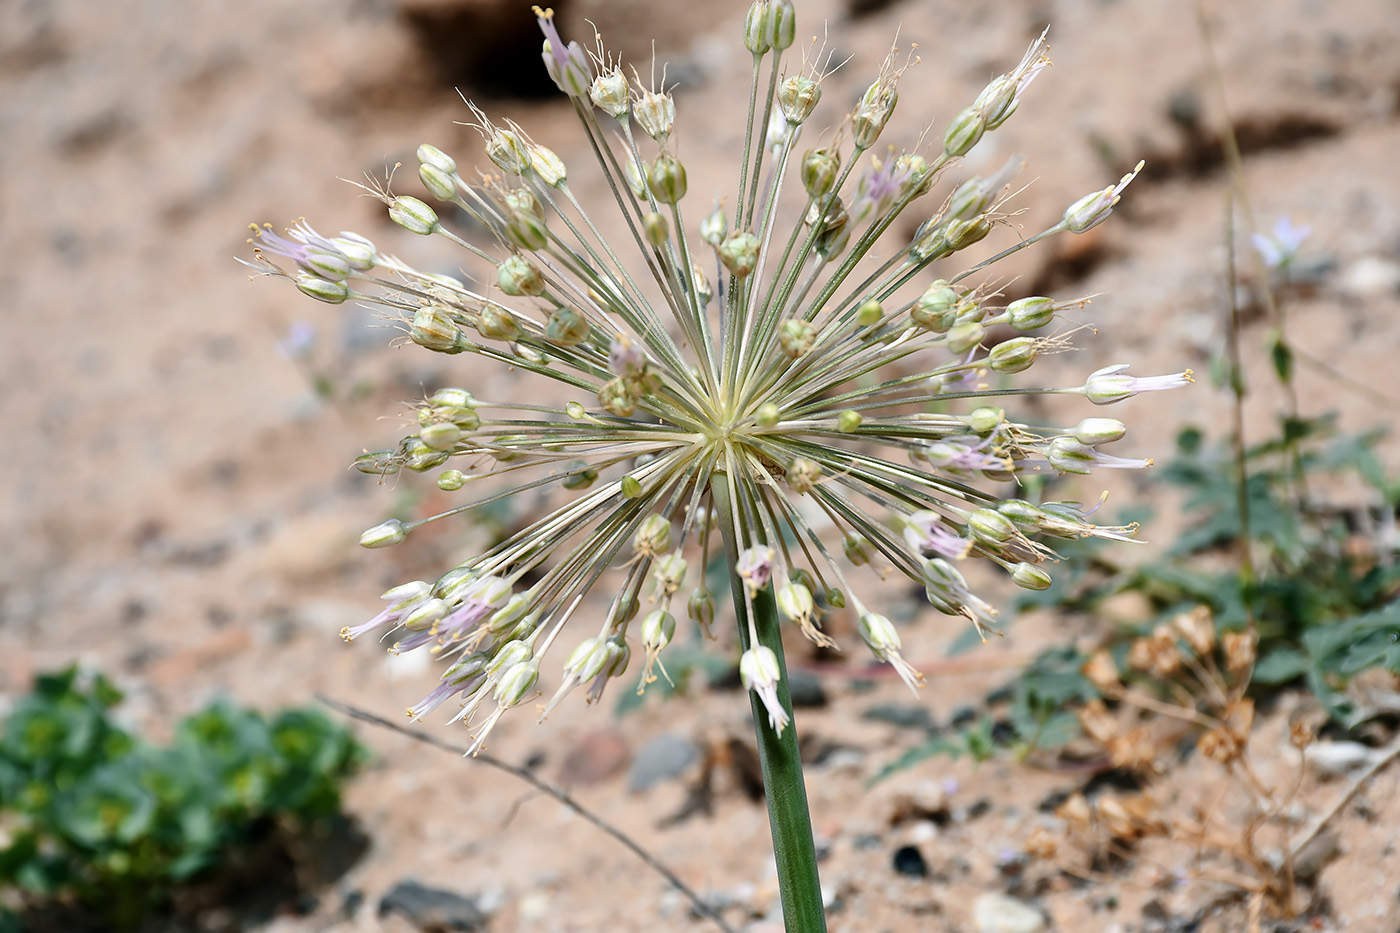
(986, 419)
(517, 683)
(580, 476)
(378, 463)
(332, 293)
(384, 534)
(820, 167)
(961, 234)
(713, 226)
(658, 628)
(669, 573)
(451, 480)
(767, 415)
(795, 337)
(440, 184)
(870, 313)
(739, 253)
(517, 275)
(964, 132)
(653, 535)
(704, 291)
(507, 151)
(434, 329)
(701, 608)
(547, 165)
(872, 112)
(524, 225)
(566, 327)
(1094, 431)
(1023, 515)
(849, 421)
(667, 177)
(1093, 209)
(1030, 577)
(656, 228)
(655, 113)
(833, 233)
(618, 398)
(589, 658)
(879, 633)
(413, 215)
(964, 337)
(1013, 356)
(443, 435)
(495, 323)
(803, 475)
(1030, 313)
(432, 155)
(781, 24)
(609, 93)
(798, 97)
(631, 487)
(990, 527)
(856, 548)
(756, 27)
(936, 309)
(795, 602)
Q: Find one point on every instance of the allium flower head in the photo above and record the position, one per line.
(728, 376)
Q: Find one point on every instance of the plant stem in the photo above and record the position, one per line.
(789, 819)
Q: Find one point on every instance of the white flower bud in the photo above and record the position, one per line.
(384, 534)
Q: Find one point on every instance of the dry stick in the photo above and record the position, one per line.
(1387, 754)
(698, 905)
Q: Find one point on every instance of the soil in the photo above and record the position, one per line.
(179, 511)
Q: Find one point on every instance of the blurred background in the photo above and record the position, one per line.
(178, 513)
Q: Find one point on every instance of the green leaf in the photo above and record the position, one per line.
(1280, 665)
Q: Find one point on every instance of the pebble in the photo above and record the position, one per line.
(1334, 759)
(1370, 277)
(806, 689)
(432, 908)
(596, 756)
(909, 861)
(997, 913)
(903, 715)
(666, 756)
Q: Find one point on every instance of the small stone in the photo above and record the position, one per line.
(909, 861)
(432, 908)
(903, 715)
(596, 756)
(997, 913)
(1370, 277)
(806, 690)
(1334, 759)
(665, 757)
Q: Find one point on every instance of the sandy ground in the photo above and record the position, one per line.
(178, 510)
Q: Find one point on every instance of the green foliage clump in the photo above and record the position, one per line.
(1324, 608)
(95, 816)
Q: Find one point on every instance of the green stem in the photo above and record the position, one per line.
(789, 819)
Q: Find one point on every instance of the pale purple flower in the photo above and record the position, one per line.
(1279, 247)
(926, 534)
(758, 670)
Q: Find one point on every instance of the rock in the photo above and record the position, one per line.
(904, 715)
(666, 756)
(596, 756)
(1334, 759)
(997, 913)
(432, 909)
(1370, 277)
(909, 861)
(806, 689)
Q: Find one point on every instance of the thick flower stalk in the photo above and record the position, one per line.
(793, 365)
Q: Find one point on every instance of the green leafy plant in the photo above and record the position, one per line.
(97, 817)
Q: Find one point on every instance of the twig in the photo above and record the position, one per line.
(1387, 754)
(698, 905)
